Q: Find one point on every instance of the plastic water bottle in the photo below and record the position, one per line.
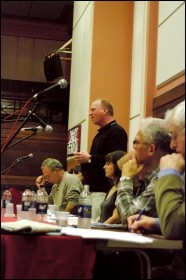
(41, 203)
(6, 198)
(85, 208)
(26, 198)
(33, 198)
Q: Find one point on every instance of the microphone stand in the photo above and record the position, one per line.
(7, 145)
(62, 83)
(12, 120)
(26, 137)
(7, 169)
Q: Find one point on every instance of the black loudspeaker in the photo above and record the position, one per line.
(52, 67)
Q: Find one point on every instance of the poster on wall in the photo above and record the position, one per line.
(74, 138)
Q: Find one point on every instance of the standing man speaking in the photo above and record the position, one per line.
(110, 137)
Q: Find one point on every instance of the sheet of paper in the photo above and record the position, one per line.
(107, 234)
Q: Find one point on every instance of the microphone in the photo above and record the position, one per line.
(21, 158)
(48, 128)
(62, 83)
(34, 129)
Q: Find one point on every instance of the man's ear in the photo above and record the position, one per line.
(105, 110)
(152, 148)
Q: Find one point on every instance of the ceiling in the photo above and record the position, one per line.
(58, 12)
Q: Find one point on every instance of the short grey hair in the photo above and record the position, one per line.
(177, 115)
(155, 131)
(52, 163)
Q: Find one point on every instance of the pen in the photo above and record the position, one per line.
(139, 216)
(140, 213)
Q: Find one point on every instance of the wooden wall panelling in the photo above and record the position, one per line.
(42, 145)
(54, 111)
(168, 100)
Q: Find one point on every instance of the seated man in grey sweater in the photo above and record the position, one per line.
(66, 187)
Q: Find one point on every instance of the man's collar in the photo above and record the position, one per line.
(107, 125)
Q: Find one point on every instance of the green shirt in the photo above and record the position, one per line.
(170, 204)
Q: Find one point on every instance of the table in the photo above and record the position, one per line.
(36, 256)
(117, 241)
(159, 242)
(70, 256)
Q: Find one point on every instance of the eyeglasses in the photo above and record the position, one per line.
(137, 142)
(173, 135)
(48, 175)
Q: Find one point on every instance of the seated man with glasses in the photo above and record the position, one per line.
(139, 172)
(66, 187)
(140, 169)
(169, 196)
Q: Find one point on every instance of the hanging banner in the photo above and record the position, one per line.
(74, 138)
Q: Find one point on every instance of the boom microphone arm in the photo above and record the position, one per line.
(26, 137)
(16, 161)
(62, 83)
(18, 130)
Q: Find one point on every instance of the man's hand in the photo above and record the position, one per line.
(124, 159)
(175, 161)
(145, 224)
(81, 157)
(132, 168)
(40, 181)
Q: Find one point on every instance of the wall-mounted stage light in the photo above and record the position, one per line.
(52, 67)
